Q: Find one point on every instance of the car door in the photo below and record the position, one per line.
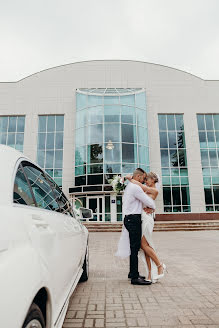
(50, 231)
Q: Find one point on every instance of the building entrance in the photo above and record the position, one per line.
(96, 204)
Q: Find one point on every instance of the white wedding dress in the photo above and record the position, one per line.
(123, 250)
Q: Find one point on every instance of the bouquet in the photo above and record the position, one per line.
(117, 183)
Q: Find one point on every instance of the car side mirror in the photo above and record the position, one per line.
(86, 213)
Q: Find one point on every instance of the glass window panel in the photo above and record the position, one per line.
(172, 139)
(3, 124)
(112, 132)
(95, 100)
(111, 100)
(112, 168)
(141, 117)
(22, 193)
(179, 122)
(49, 158)
(51, 123)
(59, 122)
(80, 170)
(81, 101)
(20, 123)
(209, 122)
(162, 122)
(181, 139)
(206, 171)
(166, 172)
(182, 157)
(11, 139)
(207, 181)
(176, 196)
(95, 115)
(166, 181)
(58, 181)
(80, 137)
(41, 140)
(140, 100)
(129, 133)
(95, 179)
(41, 158)
(209, 208)
(216, 121)
(213, 158)
(80, 181)
(171, 122)
(127, 100)
(202, 139)
(167, 196)
(95, 154)
(3, 139)
(177, 209)
(217, 138)
(59, 140)
(163, 140)
(80, 155)
(128, 168)
(211, 140)
(184, 172)
(175, 172)
(107, 204)
(142, 136)
(57, 173)
(216, 194)
(164, 158)
(175, 181)
(185, 196)
(201, 122)
(42, 123)
(20, 139)
(12, 124)
(81, 118)
(113, 155)
(204, 158)
(50, 141)
(129, 153)
(128, 115)
(184, 180)
(58, 159)
(215, 172)
(142, 153)
(112, 113)
(173, 157)
(97, 168)
(208, 196)
(119, 204)
(95, 134)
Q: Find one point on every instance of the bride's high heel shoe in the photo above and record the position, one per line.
(159, 276)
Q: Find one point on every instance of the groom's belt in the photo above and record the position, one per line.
(133, 216)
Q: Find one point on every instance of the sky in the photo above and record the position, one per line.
(36, 35)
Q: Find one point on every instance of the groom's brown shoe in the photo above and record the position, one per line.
(140, 281)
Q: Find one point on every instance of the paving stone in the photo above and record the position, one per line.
(184, 298)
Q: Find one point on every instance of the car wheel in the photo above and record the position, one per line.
(84, 276)
(34, 318)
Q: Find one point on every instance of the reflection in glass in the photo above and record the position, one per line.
(129, 133)
(95, 153)
(113, 155)
(129, 153)
(112, 132)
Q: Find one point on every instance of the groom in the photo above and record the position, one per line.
(133, 200)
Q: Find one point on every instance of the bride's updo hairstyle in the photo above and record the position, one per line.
(153, 176)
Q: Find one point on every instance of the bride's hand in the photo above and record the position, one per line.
(148, 210)
(128, 177)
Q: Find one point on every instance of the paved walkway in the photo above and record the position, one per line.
(188, 296)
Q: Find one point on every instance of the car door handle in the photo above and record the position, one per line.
(38, 221)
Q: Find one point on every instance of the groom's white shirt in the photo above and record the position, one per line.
(134, 199)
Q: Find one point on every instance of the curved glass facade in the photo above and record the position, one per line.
(111, 134)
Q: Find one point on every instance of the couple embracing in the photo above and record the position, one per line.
(138, 210)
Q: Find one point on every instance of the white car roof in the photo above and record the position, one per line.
(8, 159)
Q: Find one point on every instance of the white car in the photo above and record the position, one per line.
(43, 246)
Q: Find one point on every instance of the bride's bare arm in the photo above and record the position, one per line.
(148, 190)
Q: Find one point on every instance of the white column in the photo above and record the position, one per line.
(113, 208)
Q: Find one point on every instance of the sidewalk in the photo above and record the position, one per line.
(188, 296)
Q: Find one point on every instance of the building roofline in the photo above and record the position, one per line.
(108, 60)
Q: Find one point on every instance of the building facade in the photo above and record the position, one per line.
(86, 122)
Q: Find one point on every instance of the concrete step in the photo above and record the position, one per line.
(159, 226)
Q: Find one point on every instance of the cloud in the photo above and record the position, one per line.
(35, 35)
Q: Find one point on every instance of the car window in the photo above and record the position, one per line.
(22, 194)
(64, 204)
(41, 187)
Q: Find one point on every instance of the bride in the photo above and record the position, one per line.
(153, 266)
